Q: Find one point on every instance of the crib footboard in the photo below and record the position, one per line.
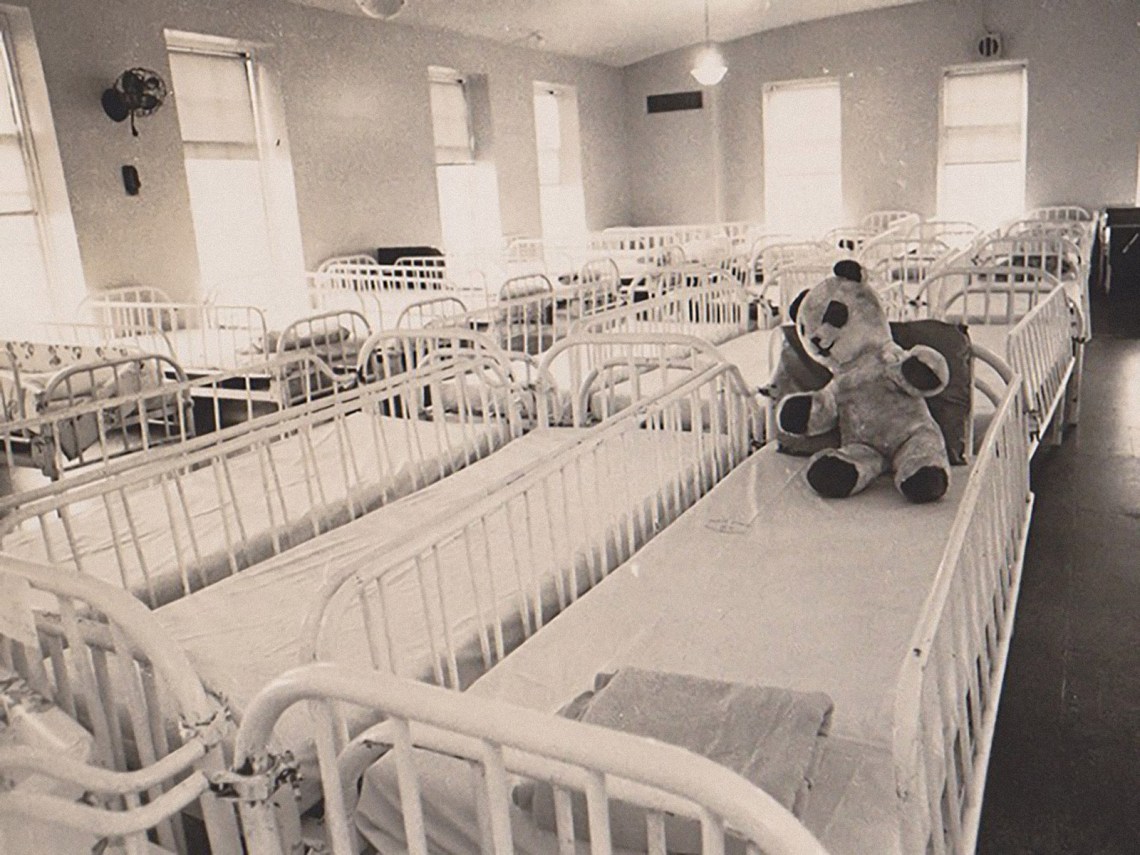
(333, 339)
(113, 733)
(950, 683)
(497, 744)
(714, 309)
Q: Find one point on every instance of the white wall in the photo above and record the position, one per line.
(1084, 125)
(357, 117)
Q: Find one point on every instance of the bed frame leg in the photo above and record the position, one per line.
(1073, 396)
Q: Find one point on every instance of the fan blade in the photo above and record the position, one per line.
(114, 106)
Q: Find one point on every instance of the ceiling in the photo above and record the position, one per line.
(614, 32)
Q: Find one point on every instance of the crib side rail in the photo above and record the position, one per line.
(101, 429)
(1073, 213)
(498, 741)
(950, 682)
(198, 335)
(97, 411)
(1042, 349)
(99, 659)
(987, 294)
(228, 499)
(531, 323)
(452, 599)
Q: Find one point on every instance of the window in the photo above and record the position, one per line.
(981, 149)
(38, 250)
(803, 182)
(468, 186)
(559, 163)
(236, 193)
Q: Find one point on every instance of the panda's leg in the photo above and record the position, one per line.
(837, 473)
(922, 471)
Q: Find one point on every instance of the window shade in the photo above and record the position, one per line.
(450, 122)
(982, 145)
(548, 136)
(982, 98)
(803, 156)
(215, 104)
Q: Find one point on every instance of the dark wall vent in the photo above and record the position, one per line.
(672, 101)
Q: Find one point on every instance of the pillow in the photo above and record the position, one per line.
(316, 338)
(770, 736)
(952, 408)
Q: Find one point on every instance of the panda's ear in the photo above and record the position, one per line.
(794, 309)
(848, 269)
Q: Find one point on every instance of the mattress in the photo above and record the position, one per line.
(218, 350)
(762, 582)
(440, 445)
(260, 611)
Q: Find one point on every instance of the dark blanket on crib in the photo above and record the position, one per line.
(770, 736)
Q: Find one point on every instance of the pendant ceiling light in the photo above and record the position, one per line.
(709, 69)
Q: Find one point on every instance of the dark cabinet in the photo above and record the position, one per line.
(1122, 234)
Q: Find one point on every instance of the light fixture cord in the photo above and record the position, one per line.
(706, 21)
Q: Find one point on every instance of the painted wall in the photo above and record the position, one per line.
(358, 123)
(1083, 60)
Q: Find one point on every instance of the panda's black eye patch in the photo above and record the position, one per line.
(835, 314)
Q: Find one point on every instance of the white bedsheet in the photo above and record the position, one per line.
(752, 354)
(440, 444)
(761, 582)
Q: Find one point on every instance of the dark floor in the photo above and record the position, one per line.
(1064, 776)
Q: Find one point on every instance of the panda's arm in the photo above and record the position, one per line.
(920, 371)
(809, 413)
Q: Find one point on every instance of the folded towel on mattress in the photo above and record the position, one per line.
(770, 736)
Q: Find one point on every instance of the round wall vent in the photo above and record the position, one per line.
(990, 46)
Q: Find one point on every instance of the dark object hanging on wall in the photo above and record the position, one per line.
(135, 93)
(672, 101)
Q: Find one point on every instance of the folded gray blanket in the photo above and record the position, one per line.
(770, 736)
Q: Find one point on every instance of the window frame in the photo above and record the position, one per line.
(279, 196)
(977, 69)
(50, 209)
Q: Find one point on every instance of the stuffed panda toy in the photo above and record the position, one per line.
(875, 395)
